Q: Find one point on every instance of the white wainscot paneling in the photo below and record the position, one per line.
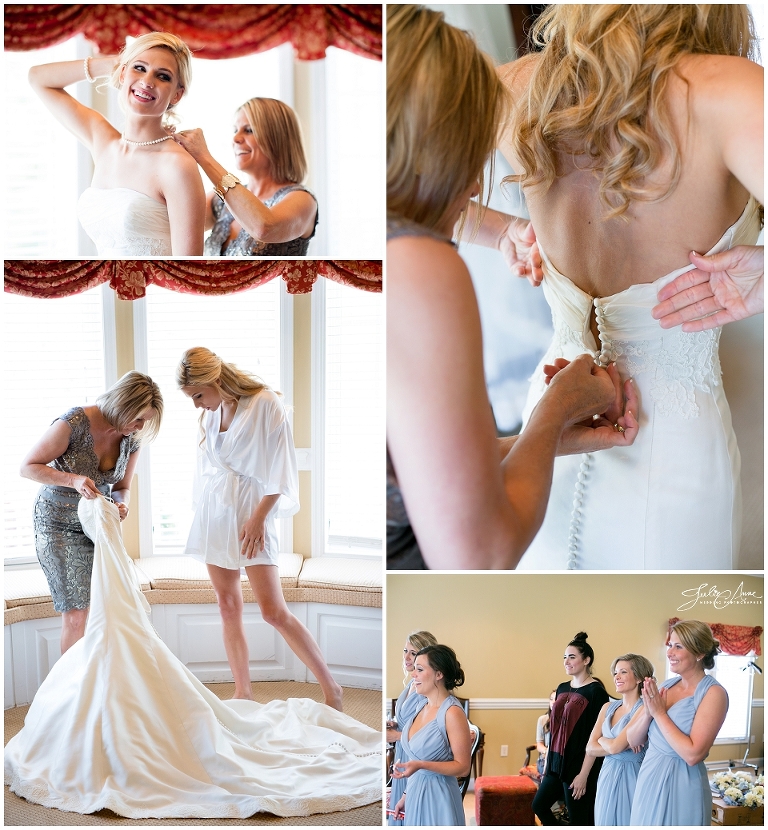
(35, 645)
(9, 694)
(350, 639)
(194, 634)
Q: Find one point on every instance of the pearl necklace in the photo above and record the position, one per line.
(144, 143)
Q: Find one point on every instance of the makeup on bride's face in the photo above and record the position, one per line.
(204, 397)
(150, 79)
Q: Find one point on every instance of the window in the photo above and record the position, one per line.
(40, 190)
(339, 101)
(355, 142)
(348, 423)
(244, 329)
(55, 359)
(735, 673)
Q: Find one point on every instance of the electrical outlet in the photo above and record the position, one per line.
(504, 750)
(751, 739)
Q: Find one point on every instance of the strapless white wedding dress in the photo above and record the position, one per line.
(671, 501)
(121, 724)
(124, 223)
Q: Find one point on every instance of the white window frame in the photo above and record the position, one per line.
(318, 340)
(741, 739)
(141, 362)
(109, 340)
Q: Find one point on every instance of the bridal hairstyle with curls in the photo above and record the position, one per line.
(445, 104)
(698, 639)
(123, 402)
(597, 91)
(162, 40)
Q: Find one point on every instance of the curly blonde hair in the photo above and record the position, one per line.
(445, 104)
(598, 91)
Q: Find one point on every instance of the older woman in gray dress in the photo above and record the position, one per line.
(272, 214)
(86, 452)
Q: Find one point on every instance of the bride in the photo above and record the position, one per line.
(146, 197)
(121, 724)
(638, 136)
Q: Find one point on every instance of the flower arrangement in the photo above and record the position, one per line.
(739, 790)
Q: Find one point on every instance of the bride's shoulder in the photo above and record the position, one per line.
(175, 163)
(516, 74)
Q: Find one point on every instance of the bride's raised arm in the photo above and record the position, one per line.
(49, 81)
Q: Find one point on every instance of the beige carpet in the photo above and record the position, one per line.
(363, 705)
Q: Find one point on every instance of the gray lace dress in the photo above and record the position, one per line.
(218, 244)
(64, 551)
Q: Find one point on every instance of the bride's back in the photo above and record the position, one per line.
(714, 114)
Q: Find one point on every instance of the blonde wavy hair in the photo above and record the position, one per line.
(124, 402)
(202, 367)
(445, 104)
(277, 131)
(598, 91)
(162, 40)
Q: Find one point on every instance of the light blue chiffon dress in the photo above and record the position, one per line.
(432, 800)
(406, 707)
(618, 775)
(669, 792)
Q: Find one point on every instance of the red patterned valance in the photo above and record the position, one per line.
(130, 278)
(210, 30)
(734, 639)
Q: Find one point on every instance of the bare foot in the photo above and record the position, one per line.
(334, 698)
(246, 694)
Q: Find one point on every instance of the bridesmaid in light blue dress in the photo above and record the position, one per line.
(435, 745)
(621, 765)
(406, 707)
(680, 719)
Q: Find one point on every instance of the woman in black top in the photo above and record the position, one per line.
(571, 774)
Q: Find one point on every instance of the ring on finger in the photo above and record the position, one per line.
(618, 428)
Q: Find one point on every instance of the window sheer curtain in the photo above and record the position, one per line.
(130, 278)
(212, 31)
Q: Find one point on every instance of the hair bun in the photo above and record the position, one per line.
(582, 635)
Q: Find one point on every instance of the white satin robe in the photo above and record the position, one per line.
(254, 458)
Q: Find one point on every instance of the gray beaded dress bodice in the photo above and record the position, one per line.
(218, 244)
(64, 551)
(80, 457)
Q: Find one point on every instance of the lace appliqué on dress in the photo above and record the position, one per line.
(686, 362)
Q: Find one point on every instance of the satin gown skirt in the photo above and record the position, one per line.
(671, 501)
(121, 724)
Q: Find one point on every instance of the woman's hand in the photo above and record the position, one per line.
(616, 427)
(398, 813)
(122, 509)
(654, 699)
(405, 769)
(722, 288)
(253, 535)
(193, 141)
(581, 388)
(85, 487)
(393, 734)
(579, 785)
(521, 251)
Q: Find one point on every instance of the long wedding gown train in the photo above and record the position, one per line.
(120, 723)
